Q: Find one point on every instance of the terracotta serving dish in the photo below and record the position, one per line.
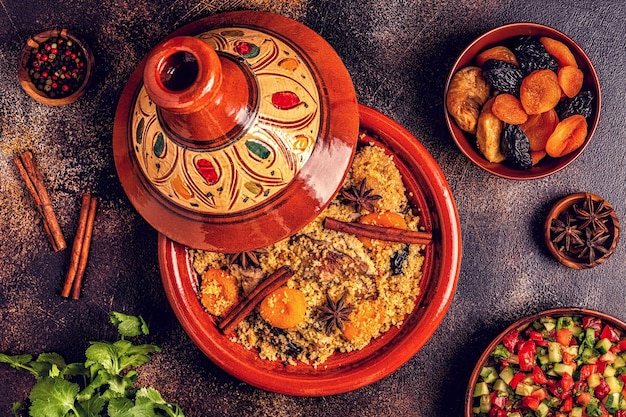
(577, 257)
(502, 35)
(523, 324)
(27, 82)
(432, 197)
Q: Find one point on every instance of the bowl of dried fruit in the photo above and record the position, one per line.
(561, 362)
(522, 101)
(55, 67)
(581, 230)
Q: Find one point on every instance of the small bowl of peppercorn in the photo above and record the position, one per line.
(522, 101)
(55, 67)
(581, 230)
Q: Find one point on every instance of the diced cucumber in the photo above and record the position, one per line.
(603, 345)
(507, 374)
(481, 389)
(549, 323)
(614, 384)
(576, 330)
(544, 359)
(594, 380)
(514, 414)
(485, 404)
(554, 352)
(619, 362)
(564, 322)
(561, 368)
(489, 374)
(576, 412)
(542, 410)
(612, 402)
(609, 371)
(500, 385)
(588, 356)
(524, 389)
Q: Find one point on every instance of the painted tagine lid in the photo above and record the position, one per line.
(236, 131)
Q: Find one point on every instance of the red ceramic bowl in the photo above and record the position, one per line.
(500, 36)
(341, 372)
(521, 325)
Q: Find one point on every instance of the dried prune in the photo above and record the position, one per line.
(516, 147)
(503, 76)
(532, 55)
(398, 260)
(579, 104)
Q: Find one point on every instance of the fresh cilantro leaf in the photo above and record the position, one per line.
(53, 397)
(129, 326)
(93, 407)
(118, 407)
(104, 354)
(17, 406)
(52, 358)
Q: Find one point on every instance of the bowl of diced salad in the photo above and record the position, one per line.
(563, 362)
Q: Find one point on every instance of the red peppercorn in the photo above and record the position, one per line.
(65, 88)
(44, 74)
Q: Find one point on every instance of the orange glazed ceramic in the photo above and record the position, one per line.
(236, 131)
(342, 372)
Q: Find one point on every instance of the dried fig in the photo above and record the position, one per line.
(467, 93)
(488, 132)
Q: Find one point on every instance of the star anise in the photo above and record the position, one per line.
(360, 198)
(593, 215)
(246, 259)
(594, 242)
(334, 313)
(567, 232)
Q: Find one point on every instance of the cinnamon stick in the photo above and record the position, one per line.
(84, 249)
(371, 231)
(77, 245)
(245, 307)
(33, 179)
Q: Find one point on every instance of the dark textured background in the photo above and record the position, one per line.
(398, 53)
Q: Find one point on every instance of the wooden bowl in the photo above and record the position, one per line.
(521, 325)
(342, 372)
(24, 65)
(502, 35)
(573, 258)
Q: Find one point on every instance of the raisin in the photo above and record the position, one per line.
(516, 147)
(398, 259)
(503, 76)
(579, 104)
(532, 55)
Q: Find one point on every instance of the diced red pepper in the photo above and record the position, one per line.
(567, 405)
(564, 336)
(555, 387)
(601, 367)
(620, 413)
(587, 370)
(497, 400)
(580, 386)
(622, 377)
(526, 355)
(602, 390)
(539, 376)
(583, 398)
(592, 322)
(510, 340)
(530, 402)
(517, 378)
(609, 332)
(537, 337)
(567, 382)
(620, 346)
(541, 394)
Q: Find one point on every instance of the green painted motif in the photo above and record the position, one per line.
(159, 145)
(258, 149)
(139, 131)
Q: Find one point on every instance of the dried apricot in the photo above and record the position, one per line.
(559, 51)
(537, 156)
(540, 91)
(539, 127)
(499, 52)
(386, 219)
(218, 291)
(488, 132)
(364, 322)
(466, 94)
(508, 108)
(568, 136)
(571, 80)
(284, 308)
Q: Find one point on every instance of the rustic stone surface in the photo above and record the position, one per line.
(398, 53)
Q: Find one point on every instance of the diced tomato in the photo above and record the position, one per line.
(602, 390)
(569, 358)
(526, 355)
(540, 394)
(583, 398)
(609, 332)
(498, 412)
(580, 386)
(537, 337)
(587, 370)
(554, 387)
(567, 382)
(497, 400)
(592, 322)
(600, 367)
(567, 405)
(510, 340)
(564, 336)
(619, 346)
(620, 413)
(530, 402)
(517, 378)
(623, 378)
(539, 376)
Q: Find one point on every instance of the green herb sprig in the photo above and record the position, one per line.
(104, 385)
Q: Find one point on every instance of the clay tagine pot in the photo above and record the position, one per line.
(231, 136)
